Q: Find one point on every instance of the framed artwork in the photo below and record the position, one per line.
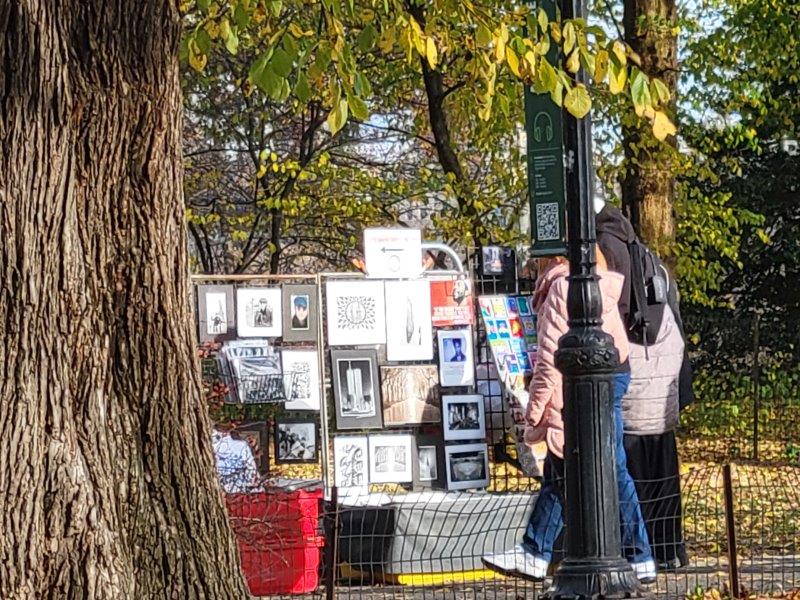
(428, 462)
(296, 441)
(300, 313)
(215, 313)
(256, 434)
(410, 395)
(254, 370)
(456, 358)
(492, 260)
(356, 313)
(350, 463)
(452, 302)
(467, 466)
(356, 389)
(409, 333)
(464, 417)
(258, 311)
(390, 458)
(301, 378)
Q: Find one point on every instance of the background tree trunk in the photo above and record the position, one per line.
(107, 483)
(648, 187)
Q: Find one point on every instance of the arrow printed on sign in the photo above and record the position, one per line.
(392, 250)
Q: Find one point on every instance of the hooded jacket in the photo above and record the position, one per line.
(614, 233)
(543, 420)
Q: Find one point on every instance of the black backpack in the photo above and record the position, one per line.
(649, 294)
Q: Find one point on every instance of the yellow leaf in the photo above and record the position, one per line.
(197, 60)
(500, 47)
(295, 30)
(573, 62)
(431, 52)
(618, 48)
(513, 61)
(618, 76)
(662, 126)
(600, 66)
(262, 170)
(569, 37)
(577, 101)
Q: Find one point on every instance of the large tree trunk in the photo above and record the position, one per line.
(107, 483)
(648, 187)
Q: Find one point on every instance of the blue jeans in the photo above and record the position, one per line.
(546, 520)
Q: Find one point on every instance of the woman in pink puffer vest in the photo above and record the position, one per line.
(531, 559)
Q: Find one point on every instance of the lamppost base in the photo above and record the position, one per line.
(579, 579)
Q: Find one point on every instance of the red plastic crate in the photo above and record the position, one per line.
(285, 570)
(276, 532)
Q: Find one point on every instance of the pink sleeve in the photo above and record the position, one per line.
(551, 325)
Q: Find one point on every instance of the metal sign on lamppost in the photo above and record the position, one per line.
(593, 567)
(545, 154)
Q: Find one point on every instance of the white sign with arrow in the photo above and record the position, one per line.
(393, 253)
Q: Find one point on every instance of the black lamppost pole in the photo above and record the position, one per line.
(593, 567)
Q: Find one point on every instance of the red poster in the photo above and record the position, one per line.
(452, 302)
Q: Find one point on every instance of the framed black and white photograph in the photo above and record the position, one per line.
(351, 463)
(456, 359)
(258, 312)
(356, 313)
(390, 458)
(296, 441)
(215, 313)
(299, 313)
(463, 417)
(301, 378)
(467, 466)
(356, 389)
(409, 331)
(254, 370)
(428, 467)
(256, 434)
(410, 395)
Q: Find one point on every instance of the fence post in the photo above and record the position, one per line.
(730, 531)
(331, 550)
(756, 376)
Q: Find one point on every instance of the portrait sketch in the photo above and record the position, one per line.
(300, 313)
(456, 357)
(259, 312)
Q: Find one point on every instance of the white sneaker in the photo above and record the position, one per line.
(645, 571)
(517, 562)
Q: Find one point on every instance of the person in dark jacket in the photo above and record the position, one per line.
(662, 383)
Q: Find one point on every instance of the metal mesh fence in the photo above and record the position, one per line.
(735, 530)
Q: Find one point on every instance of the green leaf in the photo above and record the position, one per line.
(338, 116)
(358, 107)
(229, 36)
(241, 15)
(362, 86)
(275, 7)
(660, 91)
(577, 101)
(258, 66)
(483, 36)
(281, 62)
(366, 39)
(640, 92)
(547, 76)
(302, 89)
(543, 20)
(203, 5)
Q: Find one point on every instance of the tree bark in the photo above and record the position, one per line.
(648, 187)
(107, 481)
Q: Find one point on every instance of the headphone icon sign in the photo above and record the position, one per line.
(543, 120)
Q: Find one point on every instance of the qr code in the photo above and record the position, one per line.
(547, 226)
